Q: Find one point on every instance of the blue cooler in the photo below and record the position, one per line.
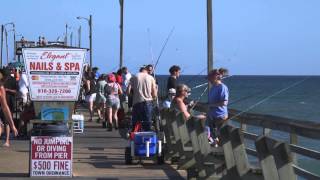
(140, 146)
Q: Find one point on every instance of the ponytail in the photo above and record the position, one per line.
(223, 71)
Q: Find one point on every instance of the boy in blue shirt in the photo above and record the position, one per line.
(218, 100)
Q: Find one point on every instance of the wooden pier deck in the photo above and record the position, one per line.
(98, 154)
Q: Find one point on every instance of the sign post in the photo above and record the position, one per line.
(54, 76)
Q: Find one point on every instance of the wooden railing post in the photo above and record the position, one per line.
(294, 140)
(275, 159)
(243, 126)
(266, 131)
(284, 163)
(236, 158)
(239, 152)
(227, 147)
(266, 159)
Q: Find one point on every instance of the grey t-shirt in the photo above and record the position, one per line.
(142, 85)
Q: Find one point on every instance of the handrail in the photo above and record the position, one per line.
(307, 129)
(293, 127)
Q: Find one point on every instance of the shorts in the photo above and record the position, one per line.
(214, 125)
(113, 103)
(91, 97)
(100, 98)
(214, 122)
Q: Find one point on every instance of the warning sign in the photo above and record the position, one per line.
(51, 156)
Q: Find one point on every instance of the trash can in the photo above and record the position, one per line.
(51, 150)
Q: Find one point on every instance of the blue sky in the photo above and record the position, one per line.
(264, 37)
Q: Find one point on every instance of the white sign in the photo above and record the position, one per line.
(54, 74)
(51, 156)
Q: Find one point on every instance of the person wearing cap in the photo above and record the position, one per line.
(171, 94)
(182, 92)
(144, 91)
(218, 99)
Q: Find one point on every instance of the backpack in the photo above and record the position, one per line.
(111, 89)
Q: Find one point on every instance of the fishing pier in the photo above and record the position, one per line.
(251, 146)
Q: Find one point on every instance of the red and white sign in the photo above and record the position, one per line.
(54, 74)
(51, 156)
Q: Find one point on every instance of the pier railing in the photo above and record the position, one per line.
(267, 124)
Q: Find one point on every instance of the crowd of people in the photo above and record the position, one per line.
(108, 93)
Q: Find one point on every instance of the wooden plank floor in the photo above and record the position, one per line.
(98, 154)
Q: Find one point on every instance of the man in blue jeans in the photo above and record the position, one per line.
(143, 87)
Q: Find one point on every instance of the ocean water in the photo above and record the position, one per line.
(301, 102)
(294, 97)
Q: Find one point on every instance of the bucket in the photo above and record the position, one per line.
(80, 119)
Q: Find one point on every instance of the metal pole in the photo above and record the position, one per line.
(121, 33)
(7, 50)
(209, 38)
(71, 34)
(14, 42)
(90, 38)
(79, 37)
(2, 29)
(66, 36)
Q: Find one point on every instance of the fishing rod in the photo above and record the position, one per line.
(199, 98)
(150, 46)
(244, 98)
(162, 49)
(268, 97)
(154, 75)
(197, 75)
(206, 83)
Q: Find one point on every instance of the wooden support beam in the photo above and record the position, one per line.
(266, 159)
(239, 152)
(275, 159)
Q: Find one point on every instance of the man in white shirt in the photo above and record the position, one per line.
(23, 87)
(126, 76)
(144, 92)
